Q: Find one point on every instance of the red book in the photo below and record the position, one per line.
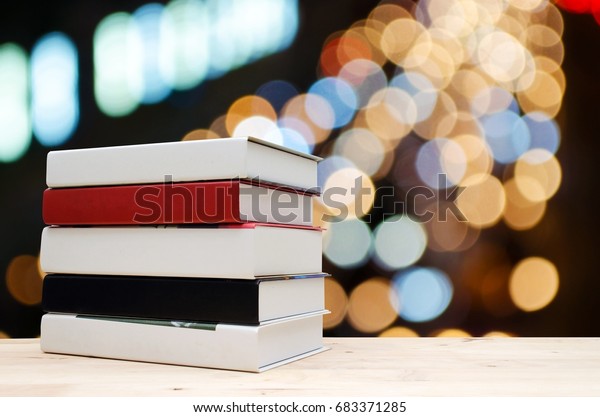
(232, 201)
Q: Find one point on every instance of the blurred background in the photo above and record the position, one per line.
(499, 96)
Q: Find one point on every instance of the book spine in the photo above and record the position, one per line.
(188, 299)
(168, 203)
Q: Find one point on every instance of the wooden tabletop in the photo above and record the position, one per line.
(353, 367)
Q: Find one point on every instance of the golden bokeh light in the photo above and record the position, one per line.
(295, 109)
(399, 38)
(521, 213)
(398, 331)
(336, 301)
(340, 185)
(4, 335)
(537, 175)
(245, 107)
(372, 306)
(479, 161)
(23, 280)
(482, 201)
(441, 121)
(533, 283)
(545, 94)
(218, 126)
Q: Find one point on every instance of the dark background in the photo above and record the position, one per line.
(567, 235)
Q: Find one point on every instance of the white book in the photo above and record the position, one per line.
(199, 160)
(224, 346)
(243, 251)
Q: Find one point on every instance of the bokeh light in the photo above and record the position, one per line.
(118, 49)
(423, 293)
(456, 97)
(347, 243)
(534, 283)
(15, 125)
(372, 306)
(398, 331)
(54, 89)
(23, 280)
(336, 301)
(482, 200)
(399, 242)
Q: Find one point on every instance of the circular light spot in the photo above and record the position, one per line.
(292, 139)
(543, 130)
(507, 135)
(441, 163)
(365, 76)
(336, 301)
(259, 127)
(482, 200)
(521, 213)
(533, 283)
(23, 280)
(538, 175)
(441, 121)
(361, 147)
(246, 107)
(421, 90)
(200, 134)
(423, 293)
(446, 232)
(400, 36)
(398, 331)
(501, 56)
(477, 153)
(391, 114)
(399, 242)
(277, 93)
(493, 100)
(545, 94)
(350, 192)
(296, 110)
(372, 306)
(348, 244)
(340, 96)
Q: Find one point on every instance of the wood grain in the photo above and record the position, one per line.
(353, 367)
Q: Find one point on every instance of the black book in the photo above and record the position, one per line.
(240, 301)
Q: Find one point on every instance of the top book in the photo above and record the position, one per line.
(211, 159)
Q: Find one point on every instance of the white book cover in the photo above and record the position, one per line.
(200, 160)
(223, 346)
(242, 251)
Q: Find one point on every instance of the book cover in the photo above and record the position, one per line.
(187, 299)
(246, 251)
(224, 346)
(184, 161)
(230, 201)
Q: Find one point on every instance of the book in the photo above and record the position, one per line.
(185, 161)
(188, 299)
(246, 250)
(177, 203)
(225, 346)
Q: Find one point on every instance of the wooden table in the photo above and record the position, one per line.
(353, 367)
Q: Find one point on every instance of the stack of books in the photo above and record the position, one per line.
(197, 253)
